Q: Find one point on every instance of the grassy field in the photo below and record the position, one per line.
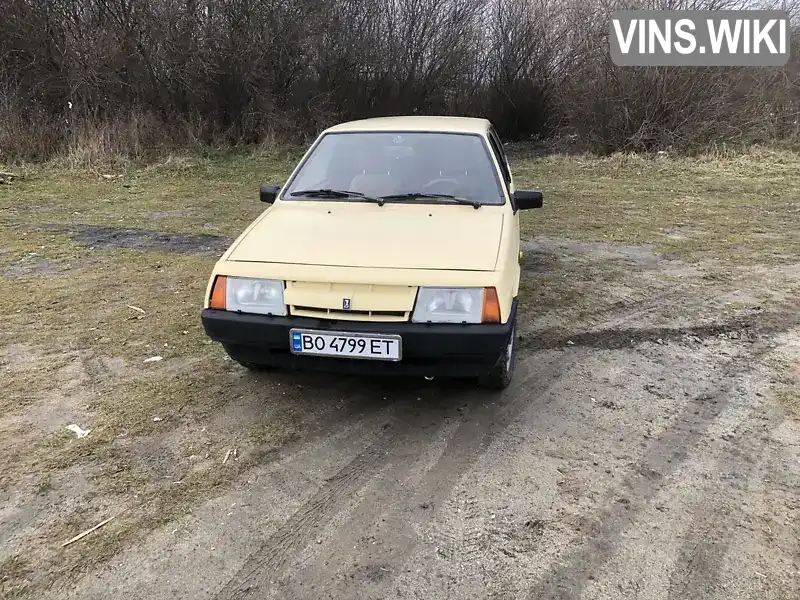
(103, 270)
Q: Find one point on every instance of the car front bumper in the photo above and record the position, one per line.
(444, 349)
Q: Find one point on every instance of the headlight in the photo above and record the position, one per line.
(248, 295)
(449, 305)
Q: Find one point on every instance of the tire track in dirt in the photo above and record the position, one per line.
(613, 334)
(371, 567)
(691, 520)
(310, 519)
(359, 401)
(383, 530)
(715, 525)
(463, 544)
(763, 557)
(454, 539)
(409, 433)
(615, 339)
(305, 522)
(360, 404)
(346, 417)
(646, 478)
(410, 439)
(697, 570)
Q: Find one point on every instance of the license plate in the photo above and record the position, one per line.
(346, 345)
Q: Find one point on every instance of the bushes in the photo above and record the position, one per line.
(95, 78)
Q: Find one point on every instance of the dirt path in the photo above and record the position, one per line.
(641, 452)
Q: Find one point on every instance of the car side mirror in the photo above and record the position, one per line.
(524, 199)
(269, 193)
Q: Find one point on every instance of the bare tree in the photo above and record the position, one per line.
(135, 77)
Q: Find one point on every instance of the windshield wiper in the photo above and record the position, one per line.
(329, 193)
(475, 204)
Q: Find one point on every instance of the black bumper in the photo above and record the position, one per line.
(446, 350)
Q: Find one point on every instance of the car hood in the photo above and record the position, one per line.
(357, 234)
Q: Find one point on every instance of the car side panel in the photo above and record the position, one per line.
(507, 269)
(509, 252)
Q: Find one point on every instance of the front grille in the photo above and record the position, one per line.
(367, 302)
(349, 315)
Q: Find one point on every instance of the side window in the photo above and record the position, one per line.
(497, 148)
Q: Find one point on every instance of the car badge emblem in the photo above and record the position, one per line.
(345, 303)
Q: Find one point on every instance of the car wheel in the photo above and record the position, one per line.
(503, 371)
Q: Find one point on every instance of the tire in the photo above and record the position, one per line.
(499, 377)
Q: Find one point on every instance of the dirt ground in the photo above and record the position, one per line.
(648, 448)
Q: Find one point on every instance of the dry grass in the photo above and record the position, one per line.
(740, 210)
(72, 349)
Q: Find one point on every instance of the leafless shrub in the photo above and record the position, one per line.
(645, 108)
(96, 80)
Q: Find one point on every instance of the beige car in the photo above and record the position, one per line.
(393, 248)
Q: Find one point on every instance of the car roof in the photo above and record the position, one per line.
(416, 123)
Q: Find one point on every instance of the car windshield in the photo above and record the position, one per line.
(402, 166)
